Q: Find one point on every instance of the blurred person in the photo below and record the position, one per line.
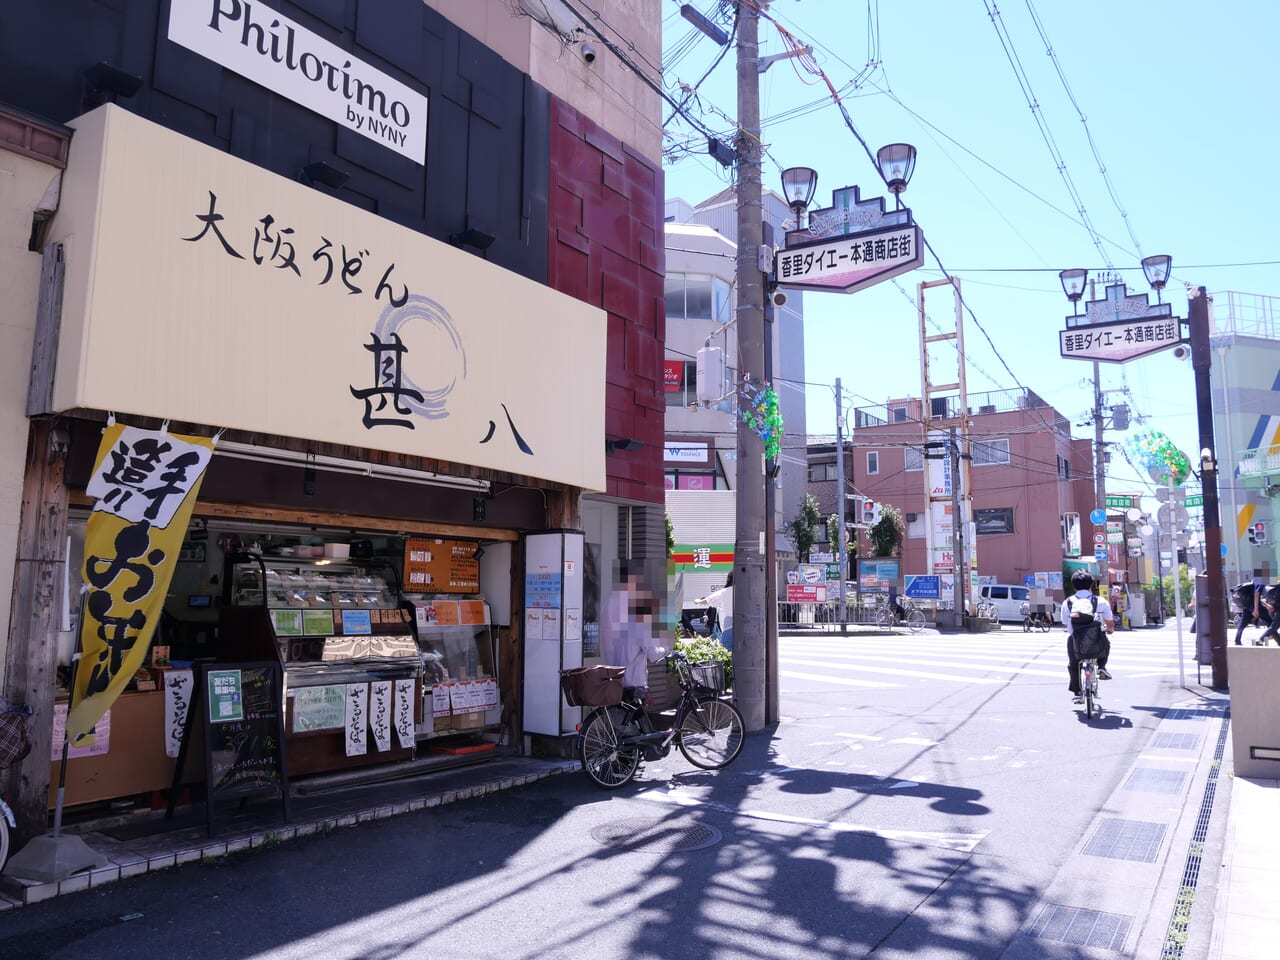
(722, 601)
(627, 631)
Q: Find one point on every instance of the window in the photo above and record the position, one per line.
(912, 459)
(686, 391)
(915, 526)
(873, 462)
(697, 297)
(1064, 468)
(987, 453)
(999, 520)
(899, 414)
(819, 472)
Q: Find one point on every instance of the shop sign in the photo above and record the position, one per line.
(226, 700)
(806, 593)
(287, 59)
(144, 483)
(686, 452)
(315, 320)
(673, 375)
(706, 556)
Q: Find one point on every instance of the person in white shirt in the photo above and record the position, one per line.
(626, 632)
(722, 600)
(1082, 582)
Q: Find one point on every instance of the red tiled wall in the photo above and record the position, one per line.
(606, 249)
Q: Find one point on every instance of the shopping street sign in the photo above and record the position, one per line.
(849, 246)
(1119, 328)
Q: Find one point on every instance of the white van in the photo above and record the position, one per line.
(1009, 598)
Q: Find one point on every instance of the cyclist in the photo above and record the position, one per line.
(1082, 582)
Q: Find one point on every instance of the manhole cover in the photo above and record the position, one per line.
(1127, 840)
(656, 834)
(1083, 928)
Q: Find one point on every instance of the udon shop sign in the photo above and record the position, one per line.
(302, 316)
(286, 58)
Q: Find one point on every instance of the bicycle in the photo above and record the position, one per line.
(886, 616)
(619, 732)
(1089, 686)
(1034, 621)
(987, 610)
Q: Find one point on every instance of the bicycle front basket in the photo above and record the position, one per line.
(709, 675)
(599, 686)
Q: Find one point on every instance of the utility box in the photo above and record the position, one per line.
(1255, 711)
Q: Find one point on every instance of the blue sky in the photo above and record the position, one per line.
(1177, 101)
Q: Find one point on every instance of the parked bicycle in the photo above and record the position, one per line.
(15, 745)
(1034, 620)
(986, 610)
(905, 613)
(620, 732)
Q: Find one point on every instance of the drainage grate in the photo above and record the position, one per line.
(1176, 937)
(656, 835)
(1203, 713)
(1177, 741)
(1156, 781)
(1127, 840)
(1083, 928)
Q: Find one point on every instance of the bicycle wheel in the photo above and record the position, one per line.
(915, 620)
(4, 838)
(884, 617)
(1088, 683)
(1026, 624)
(604, 760)
(993, 614)
(711, 734)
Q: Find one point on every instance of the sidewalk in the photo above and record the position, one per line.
(139, 843)
(1246, 922)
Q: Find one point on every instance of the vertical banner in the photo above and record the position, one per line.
(380, 713)
(357, 719)
(178, 685)
(145, 484)
(404, 713)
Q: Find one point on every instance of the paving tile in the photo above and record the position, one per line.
(160, 861)
(39, 892)
(187, 856)
(102, 875)
(134, 869)
(74, 884)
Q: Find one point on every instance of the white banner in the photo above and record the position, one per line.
(178, 685)
(147, 475)
(357, 719)
(288, 59)
(404, 713)
(380, 713)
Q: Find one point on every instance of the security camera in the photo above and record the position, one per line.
(589, 53)
(1181, 352)
(779, 298)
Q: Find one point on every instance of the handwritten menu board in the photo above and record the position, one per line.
(433, 565)
(243, 733)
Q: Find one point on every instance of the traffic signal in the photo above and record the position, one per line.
(871, 513)
(1182, 554)
(1258, 532)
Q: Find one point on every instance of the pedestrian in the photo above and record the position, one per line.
(627, 631)
(1270, 600)
(722, 602)
(1249, 596)
(1083, 607)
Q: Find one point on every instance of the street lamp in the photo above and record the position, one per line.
(897, 161)
(1073, 282)
(798, 187)
(1156, 269)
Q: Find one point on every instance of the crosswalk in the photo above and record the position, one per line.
(872, 661)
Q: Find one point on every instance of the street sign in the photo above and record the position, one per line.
(1119, 328)
(1099, 538)
(1121, 502)
(1098, 516)
(852, 263)
(1174, 519)
(1100, 554)
(1177, 494)
(1195, 500)
(922, 587)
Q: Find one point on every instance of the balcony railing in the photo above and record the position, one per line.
(1259, 462)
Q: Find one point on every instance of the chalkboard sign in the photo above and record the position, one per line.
(243, 733)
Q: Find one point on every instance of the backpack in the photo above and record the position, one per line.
(1086, 629)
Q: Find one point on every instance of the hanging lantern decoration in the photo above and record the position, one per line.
(759, 410)
(1158, 455)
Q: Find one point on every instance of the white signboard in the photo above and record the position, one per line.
(286, 58)
(850, 263)
(1118, 342)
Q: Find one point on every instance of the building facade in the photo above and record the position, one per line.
(401, 262)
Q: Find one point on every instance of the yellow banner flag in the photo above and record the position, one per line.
(145, 483)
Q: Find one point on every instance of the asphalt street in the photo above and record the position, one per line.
(927, 796)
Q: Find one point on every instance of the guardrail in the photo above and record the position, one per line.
(792, 614)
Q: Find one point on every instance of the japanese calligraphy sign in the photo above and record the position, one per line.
(1119, 340)
(333, 325)
(288, 59)
(850, 263)
(146, 483)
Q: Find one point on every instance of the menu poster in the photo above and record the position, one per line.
(447, 613)
(357, 719)
(380, 707)
(490, 693)
(550, 624)
(573, 624)
(440, 700)
(101, 731)
(533, 623)
(473, 612)
(404, 713)
(437, 565)
(356, 622)
(287, 623)
(465, 697)
(318, 708)
(316, 623)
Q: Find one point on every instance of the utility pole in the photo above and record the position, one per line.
(841, 512)
(772, 693)
(749, 622)
(1201, 359)
(959, 559)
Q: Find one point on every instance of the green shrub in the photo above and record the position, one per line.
(707, 648)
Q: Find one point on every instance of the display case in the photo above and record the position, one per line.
(458, 650)
(346, 644)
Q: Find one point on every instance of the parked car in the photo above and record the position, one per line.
(1009, 598)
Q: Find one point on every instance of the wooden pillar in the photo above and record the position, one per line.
(31, 656)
